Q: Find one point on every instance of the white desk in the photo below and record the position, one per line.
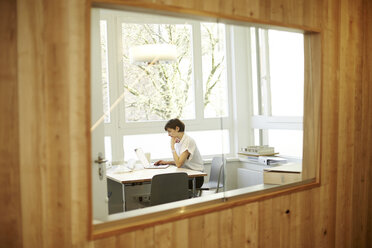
(146, 175)
(142, 180)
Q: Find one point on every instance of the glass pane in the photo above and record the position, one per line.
(209, 143)
(160, 91)
(157, 144)
(256, 133)
(212, 142)
(105, 72)
(108, 148)
(286, 56)
(254, 71)
(214, 69)
(286, 142)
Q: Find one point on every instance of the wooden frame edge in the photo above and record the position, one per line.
(199, 14)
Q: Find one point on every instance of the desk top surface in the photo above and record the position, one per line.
(145, 175)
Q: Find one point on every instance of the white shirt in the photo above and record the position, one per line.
(194, 161)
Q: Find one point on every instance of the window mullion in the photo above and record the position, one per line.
(266, 67)
(116, 75)
(198, 72)
(262, 134)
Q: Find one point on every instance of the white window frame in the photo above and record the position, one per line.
(265, 121)
(118, 128)
(241, 122)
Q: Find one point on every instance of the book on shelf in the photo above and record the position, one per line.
(265, 160)
(253, 154)
(270, 160)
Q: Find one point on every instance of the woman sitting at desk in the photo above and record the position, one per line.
(185, 152)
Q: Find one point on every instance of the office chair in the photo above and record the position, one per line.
(216, 178)
(169, 187)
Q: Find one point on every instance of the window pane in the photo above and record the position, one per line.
(254, 71)
(286, 56)
(160, 91)
(105, 72)
(256, 133)
(212, 142)
(209, 143)
(214, 69)
(286, 142)
(157, 144)
(108, 148)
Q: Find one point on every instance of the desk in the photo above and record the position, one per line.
(142, 178)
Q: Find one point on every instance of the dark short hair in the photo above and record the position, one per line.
(173, 123)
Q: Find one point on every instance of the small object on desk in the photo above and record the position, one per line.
(131, 164)
(121, 169)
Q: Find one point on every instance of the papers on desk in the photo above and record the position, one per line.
(120, 169)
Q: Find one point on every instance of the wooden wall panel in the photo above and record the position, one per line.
(365, 156)
(196, 231)
(351, 40)
(32, 119)
(245, 226)
(10, 206)
(45, 47)
(324, 199)
(363, 126)
(52, 81)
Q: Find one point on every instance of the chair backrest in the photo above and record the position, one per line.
(169, 187)
(217, 172)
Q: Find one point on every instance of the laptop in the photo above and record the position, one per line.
(146, 164)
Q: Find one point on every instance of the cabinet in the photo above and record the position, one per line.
(250, 174)
(248, 177)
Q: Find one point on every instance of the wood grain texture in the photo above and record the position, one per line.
(32, 104)
(10, 220)
(245, 226)
(364, 145)
(367, 111)
(312, 106)
(351, 40)
(47, 142)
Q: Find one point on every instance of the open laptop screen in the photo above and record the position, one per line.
(141, 156)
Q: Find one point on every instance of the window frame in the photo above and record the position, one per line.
(118, 127)
(265, 121)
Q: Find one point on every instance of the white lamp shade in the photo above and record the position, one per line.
(153, 53)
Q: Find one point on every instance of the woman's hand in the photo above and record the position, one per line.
(161, 162)
(174, 140)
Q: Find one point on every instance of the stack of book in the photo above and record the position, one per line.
(257, 151)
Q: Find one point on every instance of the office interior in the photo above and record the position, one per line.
(244, 88)
(46, 140)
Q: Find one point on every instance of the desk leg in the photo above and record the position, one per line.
(193, 187)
